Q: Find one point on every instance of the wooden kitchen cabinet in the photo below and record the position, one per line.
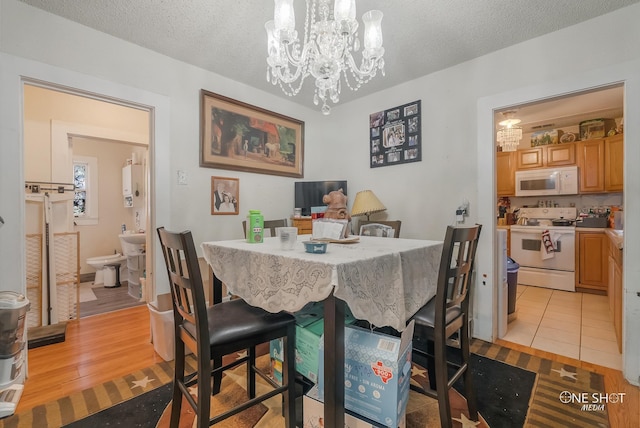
(592, 262)
(613, 163)
(590, 161)
(547, 156)
(530, 158)
(561, 154)
(505, 173)
(303, 224)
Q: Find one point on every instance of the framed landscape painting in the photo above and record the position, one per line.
(242, 137)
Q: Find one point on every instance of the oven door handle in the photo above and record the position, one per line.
(539, 232)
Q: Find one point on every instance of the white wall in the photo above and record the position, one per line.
(457, 130)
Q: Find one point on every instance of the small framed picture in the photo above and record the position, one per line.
(225, 196)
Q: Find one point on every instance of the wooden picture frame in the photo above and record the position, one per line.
(395, 135)
(242, 137)
(225, 196)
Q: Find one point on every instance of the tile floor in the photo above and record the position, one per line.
(575, 325)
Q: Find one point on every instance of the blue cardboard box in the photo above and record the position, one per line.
(309, 329)
(377, 371)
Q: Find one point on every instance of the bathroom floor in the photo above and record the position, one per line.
(576, 325)
(96, 299)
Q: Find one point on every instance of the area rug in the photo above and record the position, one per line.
(554, 402)
(545, 407)
(86, 292)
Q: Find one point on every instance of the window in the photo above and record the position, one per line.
(80, 172)
(85, 180)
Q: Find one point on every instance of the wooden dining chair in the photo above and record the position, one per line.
(445, 316)
(366, 225)
(270, 225)
(211, 332)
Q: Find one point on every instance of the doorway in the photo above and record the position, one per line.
(59, 126)
(576, 324)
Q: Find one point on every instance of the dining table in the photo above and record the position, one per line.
(382, 280)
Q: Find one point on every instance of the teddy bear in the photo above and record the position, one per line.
(337, 207)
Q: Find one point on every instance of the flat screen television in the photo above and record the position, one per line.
(309, 193)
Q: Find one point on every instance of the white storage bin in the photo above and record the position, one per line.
(162, 334)
(135, 290)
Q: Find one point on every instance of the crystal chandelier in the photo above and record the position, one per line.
(326, 51)
(510, 134)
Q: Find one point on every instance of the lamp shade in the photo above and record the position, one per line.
(366, 203)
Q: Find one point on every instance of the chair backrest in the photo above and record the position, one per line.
(456, 267)
(380, 228)
(185, 281)
(270, 225)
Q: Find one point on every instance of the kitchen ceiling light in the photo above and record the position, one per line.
(326, 49)
(510, 134)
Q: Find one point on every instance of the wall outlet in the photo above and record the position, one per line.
(182, 177)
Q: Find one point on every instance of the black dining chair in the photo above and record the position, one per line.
(443, 318)
(270, 225)
(212, 332)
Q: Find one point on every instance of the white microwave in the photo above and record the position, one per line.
(547, 181)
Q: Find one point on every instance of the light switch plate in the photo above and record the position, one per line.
(182, 177)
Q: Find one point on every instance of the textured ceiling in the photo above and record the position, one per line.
(420, 36)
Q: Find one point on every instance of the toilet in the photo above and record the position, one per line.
(106, 275)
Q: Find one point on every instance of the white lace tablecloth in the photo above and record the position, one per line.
(382, 280)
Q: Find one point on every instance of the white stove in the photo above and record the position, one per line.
(551, 265)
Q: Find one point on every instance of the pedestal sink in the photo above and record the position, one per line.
(134, 238)
(132, 243)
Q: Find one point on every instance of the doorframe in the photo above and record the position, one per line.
(15, 73)
(627, 74)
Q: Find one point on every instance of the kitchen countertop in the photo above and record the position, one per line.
(616, 236)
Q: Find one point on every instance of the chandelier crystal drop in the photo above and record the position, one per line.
(329, 41)
(510, 134)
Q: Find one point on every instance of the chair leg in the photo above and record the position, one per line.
(217, 377)
(251, 374)
(431, 366)
(204, 393)
(441, 378)
(470, 393)
(178, 378)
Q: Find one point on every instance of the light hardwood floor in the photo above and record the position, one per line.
(107, 346)
(96, 349)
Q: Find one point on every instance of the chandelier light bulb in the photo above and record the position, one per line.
(373, 32)
(344, 10)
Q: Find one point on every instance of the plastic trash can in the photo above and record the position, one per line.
(512, 280)
(162, 330)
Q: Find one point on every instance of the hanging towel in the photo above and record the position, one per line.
(546, 249)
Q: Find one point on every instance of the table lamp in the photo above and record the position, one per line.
(366, 203)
